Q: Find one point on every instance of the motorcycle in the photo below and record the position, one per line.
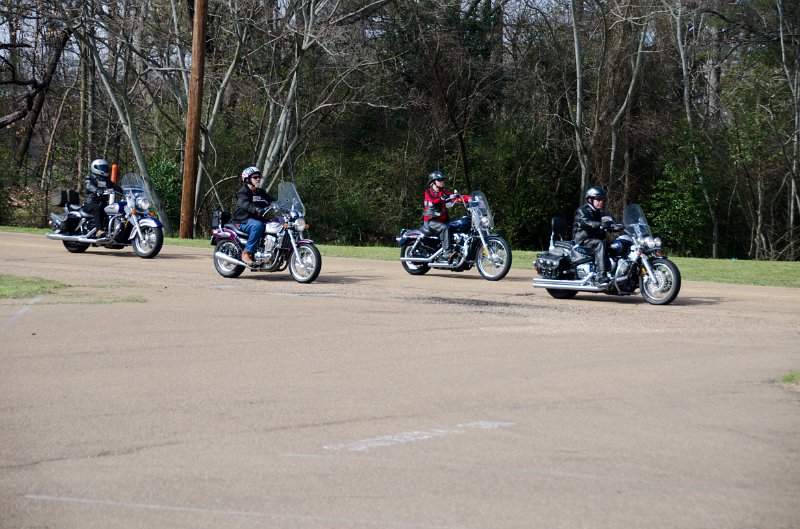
(635, 260)
(130, 220)
(473, 242)
(281, 246)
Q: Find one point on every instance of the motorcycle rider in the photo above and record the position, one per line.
(95, 183)
(252, 204)
(590, 231)
(436, 201)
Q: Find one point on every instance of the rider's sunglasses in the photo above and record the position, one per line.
(256, 177)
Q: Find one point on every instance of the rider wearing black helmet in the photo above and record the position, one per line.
(436, 201)
(95, 183)
(590, 231)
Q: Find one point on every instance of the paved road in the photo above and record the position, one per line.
(156, 394)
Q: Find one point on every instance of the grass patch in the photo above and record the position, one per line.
(792, 378)
(26, 287)
(742, 272)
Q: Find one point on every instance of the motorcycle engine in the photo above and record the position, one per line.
(584, 269)
(266, 253)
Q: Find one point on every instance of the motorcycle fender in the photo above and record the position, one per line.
(151, 222)
(409, 234)
(144, 222)
(309, 241)
(222, 234)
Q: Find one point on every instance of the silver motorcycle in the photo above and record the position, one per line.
(131, 222)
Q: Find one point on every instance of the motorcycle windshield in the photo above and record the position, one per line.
(289, 199)
(481, 214)
(136, 193)
(635, 222)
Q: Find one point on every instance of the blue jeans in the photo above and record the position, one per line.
(255, 230)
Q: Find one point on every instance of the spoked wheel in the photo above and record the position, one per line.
(664, 287)
(149, 242)
(407, 250)
(562, 294)
(226, 268)
(306, 263)
(494, 261)
(75, 247)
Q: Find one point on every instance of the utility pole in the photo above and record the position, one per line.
(190, 163)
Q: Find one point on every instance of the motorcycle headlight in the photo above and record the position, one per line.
(649, 242)
(300, 224)
(142, 203)
(657, 242)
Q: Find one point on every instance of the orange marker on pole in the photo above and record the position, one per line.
(114, 173)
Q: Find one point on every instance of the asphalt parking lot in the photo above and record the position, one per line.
(157, 394)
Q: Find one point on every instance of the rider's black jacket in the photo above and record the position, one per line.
(587, 224)
(93, 184)
(249, 204)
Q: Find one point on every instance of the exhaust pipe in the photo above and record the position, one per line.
(228, 259)
(77, 238)
(562, 284)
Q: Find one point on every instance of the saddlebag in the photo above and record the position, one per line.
(549, 265)
(62, 197)
(220, 218)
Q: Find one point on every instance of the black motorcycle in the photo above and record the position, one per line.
(635, 261)
(473, 242)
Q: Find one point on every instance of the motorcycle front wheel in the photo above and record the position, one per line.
(664, 288)
(494, 261)
(305, 264)
(226, 268)
(415, 269)
(149, 242)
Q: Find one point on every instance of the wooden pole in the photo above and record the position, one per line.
(190, 162)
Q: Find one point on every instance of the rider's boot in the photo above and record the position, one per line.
(248, 260)
(602, 278)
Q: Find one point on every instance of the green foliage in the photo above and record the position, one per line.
(166, 177)
(677, 212)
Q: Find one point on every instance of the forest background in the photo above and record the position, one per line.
(690, 108)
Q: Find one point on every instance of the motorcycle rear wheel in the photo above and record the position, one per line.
(75, 247)
(495, 263)
(149, 242)
(306, 264)
(415, 269)
(669, 277)
(224, 268)
(562, 294)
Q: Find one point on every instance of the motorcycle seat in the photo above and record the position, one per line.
(426, 231)
(235, 228)
(74, 207)
(567, 245)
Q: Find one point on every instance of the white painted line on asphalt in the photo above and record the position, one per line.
(415, 436)
(14, 317)
(235, 512)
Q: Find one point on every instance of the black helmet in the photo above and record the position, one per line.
(100, 168)
(249, 173)
(595, 192)
(436, 175)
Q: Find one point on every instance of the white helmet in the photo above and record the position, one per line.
(249, 173)
(100, 168)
